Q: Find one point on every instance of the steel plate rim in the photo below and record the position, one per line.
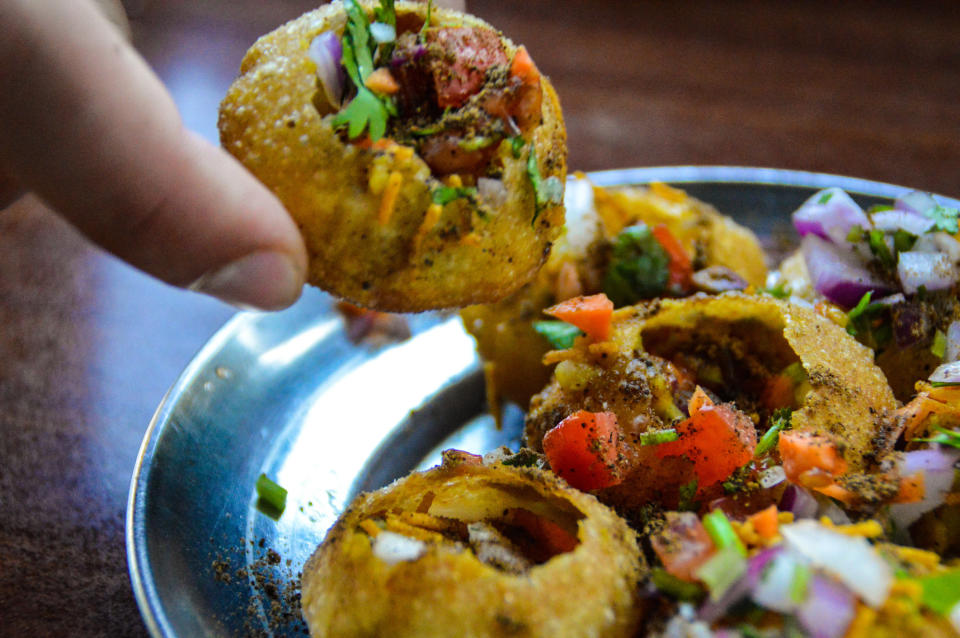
(138, 563)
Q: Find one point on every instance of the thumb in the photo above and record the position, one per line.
(91, 130)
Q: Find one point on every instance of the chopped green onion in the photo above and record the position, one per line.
(721, 532)
(446, 194)
(944, 437)
(687, 494)
(516, 146)
(780, 291)
(799, 583)
(722, 570)
(941, 592)
(939, 345)
(656, 437)
(944, 384)
(675, 587)
(475, 143)
(560, 334)
(903, 240)
(879, 248)
(272, 499)
(825, 197)
(546, 191)
(856, 234)
(876, 208)
(770, 438)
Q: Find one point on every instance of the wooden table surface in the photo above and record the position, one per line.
(88, 346)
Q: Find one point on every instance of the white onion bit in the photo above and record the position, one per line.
(933, 271)
(393, 548)
(850, 559)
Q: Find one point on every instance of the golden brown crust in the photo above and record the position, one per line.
(590, 591)
(268, 120)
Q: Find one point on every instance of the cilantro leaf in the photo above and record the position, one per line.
(366, 111)
(944, 437)
(944, 218)
(639, 267)
(516, 146)
(779, 421)
(560, 334)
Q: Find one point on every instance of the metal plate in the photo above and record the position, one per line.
(288, 394)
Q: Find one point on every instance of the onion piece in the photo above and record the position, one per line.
(839, 275)
(851, 559)
(894, 220)
(916, 202)
(952, 352)
(933, 271)
(772, 476)
(326, 52)
(382, 32)
(492, 192)
(829, 214)
(775, 589)
(799, 501)
(713, 610)
(937, 465)
(393, 548)
(828, 610)
(946, 373)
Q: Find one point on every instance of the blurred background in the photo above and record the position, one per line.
(88, 346)
(866, 89)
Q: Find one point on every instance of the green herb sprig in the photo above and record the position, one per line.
(546, 191)
(366, 111)
(560, 334)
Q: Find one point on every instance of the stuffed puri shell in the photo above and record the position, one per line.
(690, 400)
(633, 244)
(468, 549)
(420, 151)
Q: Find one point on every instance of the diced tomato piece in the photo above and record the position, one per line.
(552, 537)
(683, 545)
(700, 399)
(681, 266)
(583, 449)
(523, 67)
(805, 454)
(717, 439)
(591, 314)
(469, 52)
(778, 392)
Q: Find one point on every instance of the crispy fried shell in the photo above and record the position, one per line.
(368, 212)
(456, 581)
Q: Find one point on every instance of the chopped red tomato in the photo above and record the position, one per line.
(778, 392)
(717, 438)
(591, 314)
(551, 537)
(680, 266)
(469, 52)
(912, 488)
(810, 459)
(683, 545)
(583, 449)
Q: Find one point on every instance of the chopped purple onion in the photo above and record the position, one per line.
(933, 271)
(326, 52)
(775, 589)
(828, 610)
(946, 373)
(799, 501)
(839, 275)
(937, 465)
(916, 202)
(829, 214)
(713, 610)
(911, 324)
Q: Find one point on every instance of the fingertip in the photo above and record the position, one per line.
(263, 280)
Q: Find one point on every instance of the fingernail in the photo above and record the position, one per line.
(263, 280)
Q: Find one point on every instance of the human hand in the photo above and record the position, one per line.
(88, 127)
